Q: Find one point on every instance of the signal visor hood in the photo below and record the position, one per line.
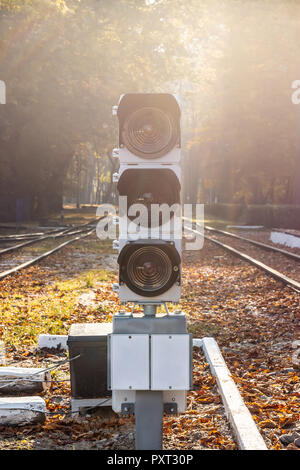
(132, 101)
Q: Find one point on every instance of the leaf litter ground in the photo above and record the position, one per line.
(254, 319)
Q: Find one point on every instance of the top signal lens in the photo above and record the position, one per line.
(150, 132)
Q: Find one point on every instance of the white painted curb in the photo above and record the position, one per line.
(197, 343)
(53, 341)
(23, 379)
(16, 411)
(285, 239)
(243, 425)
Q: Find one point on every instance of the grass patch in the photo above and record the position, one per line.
(51, 310)
(202, 328)
(97, 246)
(42, 247)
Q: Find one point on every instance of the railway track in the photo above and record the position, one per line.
(33, 241)
(264, 246)
(28, 236)
(81, 232)
(278, 275)
(36, 235)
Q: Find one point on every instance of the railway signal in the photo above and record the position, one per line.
(149, 180)
(150, 364)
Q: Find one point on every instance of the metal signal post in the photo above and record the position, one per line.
(149, 355)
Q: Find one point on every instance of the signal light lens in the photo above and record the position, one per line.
(150, 132)
(148, 187)
(149, 269)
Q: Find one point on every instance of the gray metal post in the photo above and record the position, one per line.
(150, 310)
(148, 420)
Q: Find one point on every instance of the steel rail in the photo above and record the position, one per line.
(25, 236)
(61, 234)
(43, 256)
(264, 246)
(272, 272)
(33, 236)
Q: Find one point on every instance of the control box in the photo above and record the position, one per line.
(89, 371)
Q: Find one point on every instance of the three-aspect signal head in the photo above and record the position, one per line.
(149, 175)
